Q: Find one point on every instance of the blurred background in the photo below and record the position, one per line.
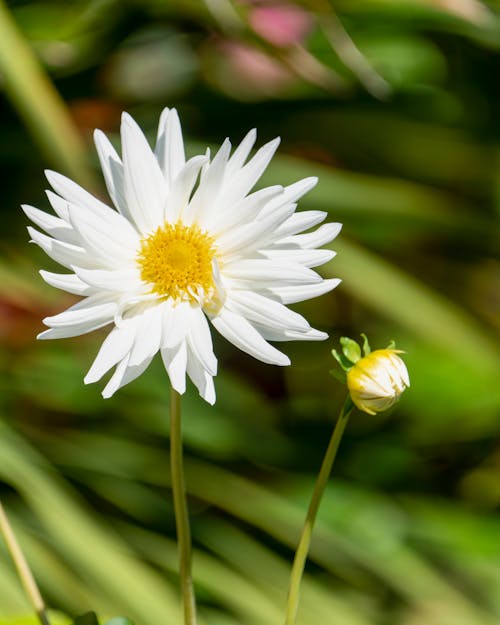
(394, 104)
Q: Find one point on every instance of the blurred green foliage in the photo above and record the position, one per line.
(395, 106)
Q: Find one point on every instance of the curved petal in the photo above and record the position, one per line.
(116, 346)
(243, 180)
(178, 325)
(112, 168)
(170, 145)
(98, 307)
(148, 336)
(182, 188)
(65, 254)
(145, 186)
(124, 373)
(114, 247)
(324, 234)
(53, 226)
(262, 273)
(201, 378)
(121, 281)
(283, 334)
(206, 195)
(293, 294)
(307, 258)
(69, 282)
(200, 342)
(175, 361)
(237, 330)
(241, 153)
(267, 312)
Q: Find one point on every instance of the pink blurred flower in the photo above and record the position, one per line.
(256, 70)
(281, 24)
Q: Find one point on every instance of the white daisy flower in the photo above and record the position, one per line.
(188, 242)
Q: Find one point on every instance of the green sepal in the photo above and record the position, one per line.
(351, 349)
(338, 375)
(89, 618)
(366, 346)
(342, 360)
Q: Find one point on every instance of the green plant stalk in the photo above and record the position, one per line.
(305, 536)
(39, 104)
(180, 508)
(23, 569)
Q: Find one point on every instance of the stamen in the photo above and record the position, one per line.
(176, 261)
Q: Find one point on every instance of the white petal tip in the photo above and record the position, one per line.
(179, 388)
(284, 361)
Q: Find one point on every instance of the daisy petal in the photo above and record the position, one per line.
(67, 282)
(241, 333)
(145, 187)
(206, 194)
(175, 361)
(200, 342)
(170, 145)
(116, 347)
(77, 329)
(324, 234)
(291, 194)
(53, 226)
(59, 204)
(282, 334)
(182, 188)
(245, 210)
(241, 153)
(74, 194)
(124, 373)
(308, 258)
(267, 272)
(114, 248)
(201, 378)
(65, 254)
(176, 327)
(121, 281)
(112, 168)
(98, 307)
(293, 294)
(259, 309)
(237, 241)
(148, 336)
(244, 179)
(300, 221)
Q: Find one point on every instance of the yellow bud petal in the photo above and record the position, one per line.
(376, 381)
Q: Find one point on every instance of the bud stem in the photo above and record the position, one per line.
(305, 537)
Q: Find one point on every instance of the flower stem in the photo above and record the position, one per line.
(305, 537)
(180, 508)
(23, 569)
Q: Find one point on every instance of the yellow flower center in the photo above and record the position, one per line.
(177, 261)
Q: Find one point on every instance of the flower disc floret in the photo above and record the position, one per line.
(176, 261)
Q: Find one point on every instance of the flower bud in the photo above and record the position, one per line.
(377, 380)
